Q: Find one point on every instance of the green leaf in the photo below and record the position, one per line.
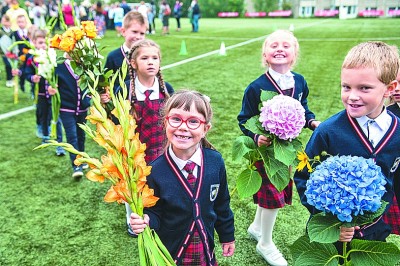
(319, 258)
(241, 146)
(254, 125)
(284, 152)
(368, 253)
(302, 247)
(248, 183)
(324, 228)
(369, 217)
(281, 178)
(267, 95)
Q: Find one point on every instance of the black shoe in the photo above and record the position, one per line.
(130, 232)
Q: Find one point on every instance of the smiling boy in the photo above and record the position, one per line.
(364, 128)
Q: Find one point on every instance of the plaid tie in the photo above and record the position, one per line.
(189, 168)
(147, 100)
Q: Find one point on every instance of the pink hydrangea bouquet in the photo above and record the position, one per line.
(281, 119)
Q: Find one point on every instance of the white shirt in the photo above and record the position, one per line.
(285, 81)
(377, 129)
(140, 89)
(196, 158)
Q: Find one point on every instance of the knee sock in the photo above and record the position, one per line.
(268, 218)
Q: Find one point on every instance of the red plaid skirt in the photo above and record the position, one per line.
(392, 217)
(268, 196)
(195, 254)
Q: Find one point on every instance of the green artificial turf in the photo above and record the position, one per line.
(47, 218)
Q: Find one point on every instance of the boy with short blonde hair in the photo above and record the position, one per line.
(364, 128)
(133, 29)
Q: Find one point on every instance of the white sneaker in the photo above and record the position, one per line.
(9, 83)
(272, 255)
(256, 235)
(153, 32)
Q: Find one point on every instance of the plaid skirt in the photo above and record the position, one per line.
(268, 196)
(195, 254)
(392, 217)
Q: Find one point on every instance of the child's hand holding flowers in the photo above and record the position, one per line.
(277, 127)
(348, 191)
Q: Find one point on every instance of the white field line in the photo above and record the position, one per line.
(29, 108)
(16, 112)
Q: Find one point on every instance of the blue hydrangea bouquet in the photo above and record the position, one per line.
(281, 119)
(348, 191)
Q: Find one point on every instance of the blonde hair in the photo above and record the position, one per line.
(132, 56)
(184, 99)
(39, 33)
(377, 55)
(132, 16)
(290, 37)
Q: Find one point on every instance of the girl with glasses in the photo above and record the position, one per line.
(190, 180)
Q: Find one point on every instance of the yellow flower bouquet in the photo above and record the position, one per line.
(83, 51)
(123, 165)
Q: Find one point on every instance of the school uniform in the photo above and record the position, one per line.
(394, 108)
(268, 196)
(344, 135)
(74, 107)
(43, 106)
(148, 121)
(22, 35)
(392, 217)
(114, 61)
(182, 210)
(7, 32)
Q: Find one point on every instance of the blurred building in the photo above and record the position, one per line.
(346, 8)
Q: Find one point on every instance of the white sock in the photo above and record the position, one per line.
(268, 218)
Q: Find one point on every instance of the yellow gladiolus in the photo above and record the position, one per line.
(55, 41)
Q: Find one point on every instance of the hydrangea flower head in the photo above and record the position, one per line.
(346, 186)
(283, 116)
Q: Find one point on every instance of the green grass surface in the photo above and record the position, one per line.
(47, 218)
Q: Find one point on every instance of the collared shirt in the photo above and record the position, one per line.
(140, 89)
(125, 48)
(196, 158)
(23, 33)
(285, 81)
(378, 129)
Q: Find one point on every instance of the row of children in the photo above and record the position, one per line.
(185, 217)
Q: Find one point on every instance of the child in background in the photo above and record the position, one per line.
(73, 110)
(392, 217)
(147, 93)
(21, 35)
(118, 18)
(43, 107)
(6, 31)
(133, 29)
(190, 180)
(280, 51)
(368, 77)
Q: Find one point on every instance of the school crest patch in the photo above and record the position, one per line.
(214, 191)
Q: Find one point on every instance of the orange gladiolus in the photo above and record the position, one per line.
(148, 197)
(89, 28)
(67, 44)
(25, 50)
(118, 140)
(55, 41)
(111, 195)
(95, 116)
(95, 176)
(22, 58)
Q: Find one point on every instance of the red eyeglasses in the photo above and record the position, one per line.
(192, 122)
